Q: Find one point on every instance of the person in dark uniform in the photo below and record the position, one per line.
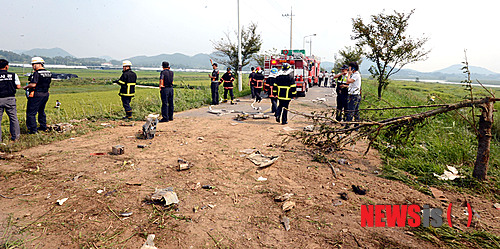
(228, 80)
(250, 82)
(37, 92)
(258, 84)
(268, 88)
(285, 89)
(214, 85)
(127, 90)
(9, 82)
(342, 93)
(167, 93)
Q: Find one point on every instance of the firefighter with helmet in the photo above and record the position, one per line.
(127, 87)
(285, 89)
(258, 83)
(268, 88)
(228, 80)
(37, 91)
(342, 93)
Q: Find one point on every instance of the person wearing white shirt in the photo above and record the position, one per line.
(354, 91)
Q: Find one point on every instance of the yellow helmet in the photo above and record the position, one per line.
(37, 60)
(126, 63)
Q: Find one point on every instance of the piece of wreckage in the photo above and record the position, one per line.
(261, 160)
(149, 128)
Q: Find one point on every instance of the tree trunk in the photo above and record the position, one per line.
(484, 140)
(380, 87)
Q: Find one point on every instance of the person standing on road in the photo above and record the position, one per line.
(354, 90)
(228, 80)
(9, 82)
(37, 92)
(167, 93)
(342, 93)
(258, 84)
(326, 76)
(268, 88)
(320, 78)
(285, 89)
(214, 85)
(251, 82)
(127, 90)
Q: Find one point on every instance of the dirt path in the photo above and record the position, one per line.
(240, 212)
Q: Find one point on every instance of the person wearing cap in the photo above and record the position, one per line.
(167, 93)
(285, 89)
(37, 92)
(127, 83)
(9, 82)
(228, 80)
(250, 81)
(268, 88)
(258, 82)
(342, 93)
(354, 90)
(214, 85)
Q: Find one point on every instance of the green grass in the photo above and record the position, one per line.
(92, 96)
(446, 139)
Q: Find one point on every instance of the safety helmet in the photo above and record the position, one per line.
(285, 66)
(37, 60)
(274, 71)
(258, 69)
(126, 63)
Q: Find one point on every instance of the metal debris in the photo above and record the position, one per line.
(118, 150)
(283, 197)
(261, 160)
(61, 201)
(167, 195)
(149, 244)
(288, 205)
(286, 222)
(183, 164)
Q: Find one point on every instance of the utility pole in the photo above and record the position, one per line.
(291, 23)
(240, 83)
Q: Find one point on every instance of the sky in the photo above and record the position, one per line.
(125, 28)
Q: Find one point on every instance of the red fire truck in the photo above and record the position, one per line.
(306, 68)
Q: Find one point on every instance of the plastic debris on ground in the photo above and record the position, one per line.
(288, 205)
(286, 222)
(149, 244)
(450, 174)
(309, 128)
(61, 201)
(261, 160)
(183, 164)
(283, 197)
(166, 196)
(149, 128)
(261, 179)
(219, 112)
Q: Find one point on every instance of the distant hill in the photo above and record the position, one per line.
(457, 68)
(177, 60)
(47, 52)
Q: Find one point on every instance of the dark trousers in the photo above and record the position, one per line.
(214, 87)
(252, 89)
(126, 105)
(257, 94)
(167, 103)
(282, 111)
(353, 107)
(9, 105)
(274, 104)
(36, 105)
(230, 93)
(342, 98)
(319, 82)
(326, 82)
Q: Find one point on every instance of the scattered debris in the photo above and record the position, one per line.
(211, 206)
(438, 194)
(200, 138)
(127, 124)
(133, 183)
(288, 205)
(260, 116)
(287, 128)
(261, 160)
(142, 146)
(358, 190)
(343, 162)
(61, 127)
(106, 125)
(98, 154)
(118, 150)
(219, 112)
(77, 176)
(241, 116)
(149, 128)
(343, 196)
(286, 222)
(283, 197)
(61, 201)
(149, 244)
(309, 128)
(207, 187)
(233, 124)
(100, 191)
(127, 214)
(183, 164)
(195, 209)
(261, 179)
(497, 206)
(452, 174)
(166, 195)
(319, 100)
(248, 151)
(337, 202)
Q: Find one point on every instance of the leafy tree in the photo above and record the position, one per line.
(388, 45)
(346, 55)
(227, 50)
